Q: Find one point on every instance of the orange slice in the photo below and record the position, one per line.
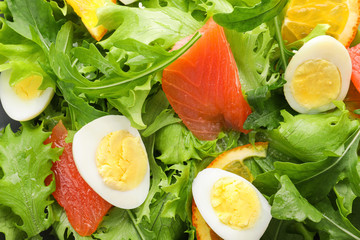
(232, 161)
(302, 16)
(86, 10)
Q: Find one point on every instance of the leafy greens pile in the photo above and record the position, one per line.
(310, 175)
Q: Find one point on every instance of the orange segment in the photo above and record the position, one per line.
(232, 161)
(302, 16)
(86, 10)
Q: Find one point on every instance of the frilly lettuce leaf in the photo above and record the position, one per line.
(62, 226)
(177, 144)
(253, 52)
(8, 222)
(26, 162)
(169, 26)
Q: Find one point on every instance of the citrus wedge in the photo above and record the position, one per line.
(303, 15)
(232, 161)
(86, 10)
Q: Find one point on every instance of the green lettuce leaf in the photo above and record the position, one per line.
(165, 118)
(280, 230)
(313, 137)
(24, 57)
(245, 18)
(8, 223)
(180, 191)
(131, 104)
(158, 179)
(169, 26)
(26, 162)
(288, 204)
(177, 144)
(254, 52)
(62, 226)
(121, 221)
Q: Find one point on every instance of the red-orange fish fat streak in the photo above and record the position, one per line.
(84, 208)
(203, 86)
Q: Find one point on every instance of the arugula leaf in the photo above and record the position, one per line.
(333, 225)
(8, 222)
(323, 174)
(288, 204)
(245, 18)
(280, 230)
(26, 162)
(34, 20)
(80, 110)
(93, 57)
(110, 87)
(345, 196)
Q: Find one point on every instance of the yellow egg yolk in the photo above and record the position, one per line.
(315, 83)
(235, 203)
(28, 88)
(121, 160)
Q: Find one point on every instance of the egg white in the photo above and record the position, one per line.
(21, 109)
(85, 144)
(321, 47)
(201, 190)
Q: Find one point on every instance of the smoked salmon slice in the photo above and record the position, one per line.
(203, 86)
(84, 207)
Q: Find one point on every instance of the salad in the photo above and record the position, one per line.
(201, 99)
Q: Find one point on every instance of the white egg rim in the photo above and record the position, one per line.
(210, 217)
(32, 107)
(90, 136)
(314, 49)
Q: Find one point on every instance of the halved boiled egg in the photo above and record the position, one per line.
(231, 206)
(24, 100)
(112, 159)
(318, 74)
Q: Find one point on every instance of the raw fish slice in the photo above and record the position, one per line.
(203, 85)
(84, 207)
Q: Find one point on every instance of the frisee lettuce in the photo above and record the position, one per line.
(122, 75)
(26, 162)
